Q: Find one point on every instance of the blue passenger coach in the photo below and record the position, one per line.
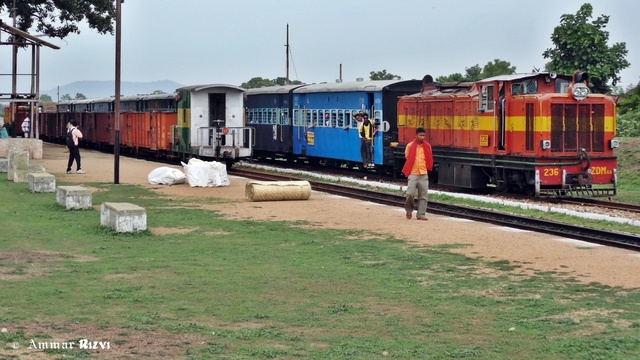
(316, 122)
(268, 110)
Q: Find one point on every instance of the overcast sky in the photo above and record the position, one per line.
(213, 41)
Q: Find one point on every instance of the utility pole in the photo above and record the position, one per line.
(287, 47)
(116, 144)
(14, 68)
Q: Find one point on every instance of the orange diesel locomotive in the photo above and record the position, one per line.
(541, 134)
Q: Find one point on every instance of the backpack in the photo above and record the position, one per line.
(70, 142)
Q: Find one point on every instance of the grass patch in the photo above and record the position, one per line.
(260, 290)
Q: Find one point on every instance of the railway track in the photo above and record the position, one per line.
(373, 175)
(611, 205)
(592, 235)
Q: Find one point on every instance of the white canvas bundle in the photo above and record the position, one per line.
(166, 176)
(206, 173)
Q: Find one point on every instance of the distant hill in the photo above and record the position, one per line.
(101, 89)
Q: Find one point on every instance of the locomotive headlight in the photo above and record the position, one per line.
(580, 91)
(546, 144)
(614, 143)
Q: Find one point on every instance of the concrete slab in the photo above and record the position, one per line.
(74, 197)
(17, 160)
(123, 217)
(32, 146)
(42, 182)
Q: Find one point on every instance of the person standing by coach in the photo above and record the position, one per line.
(73, 135)
(367, 131)
(416, 169)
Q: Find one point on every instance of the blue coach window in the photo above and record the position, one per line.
(309, 119)
(272, 116)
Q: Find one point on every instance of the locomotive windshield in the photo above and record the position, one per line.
(529, 86)
(562, 86)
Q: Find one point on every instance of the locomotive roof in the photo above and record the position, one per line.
(513, 77)
(196, 88)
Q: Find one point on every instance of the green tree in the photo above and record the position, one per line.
(473, 73)
(58, 19)
(497, 67)
(580, 44)
(157, 92)
(630, 101)
(257, 82)
(456, 77)
(45, 97)
(283, 81)
(80, 96)
(383, 75)
(66, 97)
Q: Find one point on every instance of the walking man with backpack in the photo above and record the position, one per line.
(73, 134)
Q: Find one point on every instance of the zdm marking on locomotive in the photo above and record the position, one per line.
(601, 170)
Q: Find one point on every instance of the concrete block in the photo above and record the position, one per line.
(32, 146)
(74, 197)
(123, 217)
(21, 175)
(17, 159)
(42, 182)
(4, 165)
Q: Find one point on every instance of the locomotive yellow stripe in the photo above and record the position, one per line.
(484, 122)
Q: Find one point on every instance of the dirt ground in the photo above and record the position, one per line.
(532, 251)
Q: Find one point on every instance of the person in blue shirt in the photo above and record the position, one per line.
(3, 132)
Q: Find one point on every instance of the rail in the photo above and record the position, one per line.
(592, 235)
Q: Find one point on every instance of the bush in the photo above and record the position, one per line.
(629, 124)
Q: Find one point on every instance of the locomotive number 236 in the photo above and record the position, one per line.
(551, 172)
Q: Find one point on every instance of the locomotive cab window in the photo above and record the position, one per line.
(524, 87)
(487, 102)
(562, 86)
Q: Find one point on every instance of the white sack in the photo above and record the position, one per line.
(206, 173)
(166, 176)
